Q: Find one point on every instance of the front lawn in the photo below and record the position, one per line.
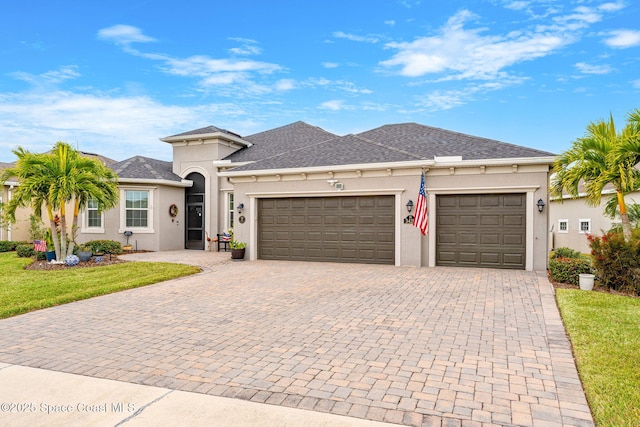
(605, 333)
(23, 290)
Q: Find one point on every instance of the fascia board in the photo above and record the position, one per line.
(184, 183)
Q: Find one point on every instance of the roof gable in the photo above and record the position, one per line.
(279, 141)
(140, 167)
(207, 130)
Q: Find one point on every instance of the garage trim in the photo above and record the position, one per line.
(529, 190)
(253, 211)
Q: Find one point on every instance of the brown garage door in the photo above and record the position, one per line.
(336, 229)
(481, 230)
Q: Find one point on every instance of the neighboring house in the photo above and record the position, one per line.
(572, 220)
(298, 192)
(20, 230)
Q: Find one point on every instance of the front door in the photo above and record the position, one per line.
(194, 208)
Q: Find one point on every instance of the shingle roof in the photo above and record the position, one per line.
(280, 140)
(4, 165)
(389, 143)
(139, 167)
(427, 142)
(204, 131)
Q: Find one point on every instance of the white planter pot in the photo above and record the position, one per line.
(586, 281)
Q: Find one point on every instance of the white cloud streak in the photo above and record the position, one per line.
(622, 39)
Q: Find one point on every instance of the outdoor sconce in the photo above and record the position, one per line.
(410, 206)
(540, 205)
(240, 207)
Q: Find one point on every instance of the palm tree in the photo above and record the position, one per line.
(593, 161)
(54, 179)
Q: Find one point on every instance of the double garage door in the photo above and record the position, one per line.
(481, 230)
(335, 229)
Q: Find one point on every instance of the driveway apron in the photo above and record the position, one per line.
(413, 346)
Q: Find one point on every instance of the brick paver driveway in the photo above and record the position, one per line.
(414, 346)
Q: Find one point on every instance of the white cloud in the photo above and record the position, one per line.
(593, 69)
(611, 7)
(248, 47)
(124, 35)
(285, 84)
(63, 73)
(334, 105)
(636, 84)
(355, 38)
(390, 22)
(330, 64)
(230, 76)
(621, 39)
(468, 54)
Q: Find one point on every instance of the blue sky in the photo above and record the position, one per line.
(114, 77)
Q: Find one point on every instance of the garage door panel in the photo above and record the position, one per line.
(497, 240)
(338, 229)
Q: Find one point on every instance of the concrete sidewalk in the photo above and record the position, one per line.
(38, 397)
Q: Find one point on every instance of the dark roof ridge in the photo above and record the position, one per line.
(379, 144)
(274, 156)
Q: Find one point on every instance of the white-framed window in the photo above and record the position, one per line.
(136, 209)
(93, 218)
(229, 212)
(563, 226)
(584, 226)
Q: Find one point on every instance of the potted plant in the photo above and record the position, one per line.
(84, 252)
(237, 249)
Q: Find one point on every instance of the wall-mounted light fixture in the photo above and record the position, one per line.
(540, 205)
(410, 206)
(240, 207)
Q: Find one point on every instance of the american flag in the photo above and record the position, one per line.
(420, 220)
(40, 246)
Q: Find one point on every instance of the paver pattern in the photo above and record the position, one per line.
(413, 346)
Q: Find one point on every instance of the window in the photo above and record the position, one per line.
(94, 218)
(229, 210)
(137, 208)
(585, 226)
(563, 226)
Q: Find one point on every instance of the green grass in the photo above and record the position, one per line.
(605, 333)
(23, 290)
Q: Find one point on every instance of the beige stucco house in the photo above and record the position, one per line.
(571, 220)
(298, 192)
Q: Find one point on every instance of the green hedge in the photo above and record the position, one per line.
(567, 270)
(105, 246)
(617, 261)
(7, 246)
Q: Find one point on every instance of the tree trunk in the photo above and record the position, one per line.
(54, 232)
(624, 216)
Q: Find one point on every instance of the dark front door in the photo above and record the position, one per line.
(195, 212)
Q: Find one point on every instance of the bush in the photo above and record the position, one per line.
(25, 251)
(7, 246)
(567, 270)
(104, 246)
(617, 261)
(565, 253)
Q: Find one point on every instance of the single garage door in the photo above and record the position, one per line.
(481, 230)
(335, 229)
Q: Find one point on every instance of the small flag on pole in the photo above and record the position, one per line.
(420, 220)
(40, 246)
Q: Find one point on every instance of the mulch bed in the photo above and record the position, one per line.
(596, 288)
(45, 265)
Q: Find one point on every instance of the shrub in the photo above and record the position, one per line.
(104, 246)
(7, 246)
(25, 251)
(565, 253)
(617, 261)
(567, 270)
